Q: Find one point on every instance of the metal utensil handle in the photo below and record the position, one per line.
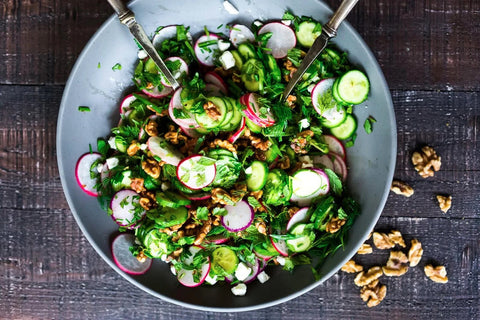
(342, 12)
(118, 6)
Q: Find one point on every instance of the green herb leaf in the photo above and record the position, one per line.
(368, 124)
(117, 66)
(335, 182)
(202, 213)
(84, 109)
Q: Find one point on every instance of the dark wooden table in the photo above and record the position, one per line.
(429, 51)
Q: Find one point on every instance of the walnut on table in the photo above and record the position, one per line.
(382, 241)
(373, 293)
(364, 278)
(444, 202)
(415, 253)
(426, 162)
(365, 249)
(397, 238)
(436, 274)
(401, 188)
(396, 264)
(351, 267)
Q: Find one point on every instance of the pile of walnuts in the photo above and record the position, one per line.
(371, 290)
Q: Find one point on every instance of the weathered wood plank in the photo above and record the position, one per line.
(419, 44)
(67, 278)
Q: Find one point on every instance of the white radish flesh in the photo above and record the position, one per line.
(280, 245)
(282, 39)
(83, 173)
(240, 34)
(160, 148)
(335, 146)
(176, 103)
(177, 73)
(324, 161)
(214, 78)
(125, 105)
(124, 259)
(206, 48)
(163, 34)
(239, 132)
(320, 89)
(186, 277)
(193, 174)
(339, 166)
(238, 217)
(299, 217)
(124, 204)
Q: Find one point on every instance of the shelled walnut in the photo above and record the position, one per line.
(426, 162)
(365, 249)
(444, 202)
(382, 241)
(373, 293)
(334, 225)
(351, 267)
(436, 274)
(396, 264)
(415, 253)
(401, 188)
(364, 278)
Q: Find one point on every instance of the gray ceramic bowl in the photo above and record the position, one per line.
(93, 83)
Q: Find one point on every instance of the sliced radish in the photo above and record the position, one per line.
(239, 132)
(159, 147)
(125, 105)
(206, 48)
(155, 93)
(280, 245)
(212, 90)
(318, 91)
(167, 32)
(335, 146)
(186, 277)
(254, 112)
(282, 39)
(255, 270)
(214, 78)
(124, 205)
(196, 172)
(307, 184)
(324, 161)
(238, 217)
(300, 216)
(124, 259)
(339, 166)
(177, 73)
(241, 33)
(217, 239)
(192, 133)
(176, 103)
(261, 256)
(83, 173)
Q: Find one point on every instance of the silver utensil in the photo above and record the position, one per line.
(127, 18)
(329, 31)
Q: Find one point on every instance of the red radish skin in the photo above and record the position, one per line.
(206, 55)
(283, 38)
(155, 93)
(238, 133)
(255, 271)
(262, 257)
(176, 103)
(339, 166)
(213, 78)
(280, 245)
(335, 146)
(252, 111)
(185, 166)
(192, 133)
(82, 173)
(123, 209)
(218, 239)
(185, 277)
(241, 34)
(300, 216)
(298, 183)
(124, 259)
(319, 90)
(124, 106)
(238, 217)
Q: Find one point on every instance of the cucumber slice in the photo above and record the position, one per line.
(247, 51)
(346, 129)
(307, 32)
(273, 68)
(252, 126)
(122, 180)
(353, 87)
(299, 244)
(224, 261)
(256, 175)
(335, 94)
(209, 123)
(169, 217)
(156, 244)
(238, 59)
(253, 75)
(171, 199)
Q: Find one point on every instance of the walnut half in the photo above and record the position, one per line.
(444, 202)
(426, 162)
(351, 267)
(415, 253)
(396, 264)
(401, 188)
(436, 274)
(373, 293)
(364, 278)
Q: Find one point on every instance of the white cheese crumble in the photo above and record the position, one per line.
(173, 270)
(223, 45)
(211, 280)
(112, 162)
(257, 23)
(304, 123)
(243, 271)
(281, 260)
(143, 146)
(142, 54)
(230, 8)
(240, 289)
(111, 143)
(227, 60)
(263, 277)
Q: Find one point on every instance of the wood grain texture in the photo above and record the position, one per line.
(429, 52)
